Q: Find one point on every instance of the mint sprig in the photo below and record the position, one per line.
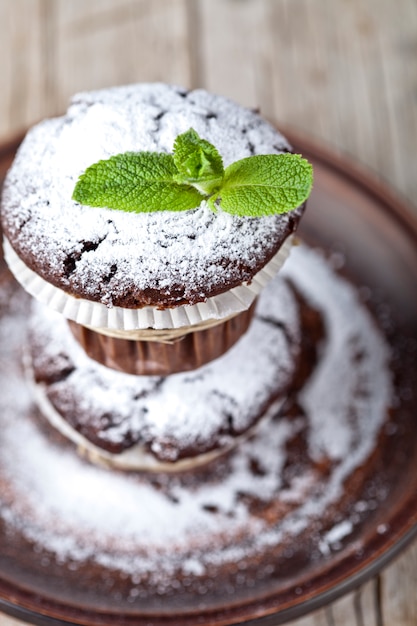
(256, 186)
(198, 162)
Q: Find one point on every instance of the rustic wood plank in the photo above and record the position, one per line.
(322, 617)
(21, 75)
(347, 73)
(398, 590)
(367, 600)
(236, 50)
(112, 43)
(355, 609)
(56, 48)
(358, 608)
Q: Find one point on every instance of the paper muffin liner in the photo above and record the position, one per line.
(155, 358)
(103, 318)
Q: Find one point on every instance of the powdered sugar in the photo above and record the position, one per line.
(150, 529)
(108, 255)
(356, 378)
(192, 410)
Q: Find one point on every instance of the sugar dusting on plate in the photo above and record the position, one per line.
(151, 530)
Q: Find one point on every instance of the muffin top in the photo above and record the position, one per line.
(159, 259)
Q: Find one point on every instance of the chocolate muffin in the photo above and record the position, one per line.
(118, 259)
(123, 274)
(154, 294)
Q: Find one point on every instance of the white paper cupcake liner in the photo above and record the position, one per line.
(101, 317)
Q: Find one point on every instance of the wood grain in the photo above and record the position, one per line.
(343, 71)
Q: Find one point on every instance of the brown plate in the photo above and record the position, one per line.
(348, 213)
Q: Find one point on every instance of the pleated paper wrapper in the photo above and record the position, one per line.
(101, 317)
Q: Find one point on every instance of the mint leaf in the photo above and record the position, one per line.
(136, 182)
(257, 186)
(198, 162)
(264, 185)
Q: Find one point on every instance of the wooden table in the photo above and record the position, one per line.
(343, 71)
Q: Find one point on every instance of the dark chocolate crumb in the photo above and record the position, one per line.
(70, 262)
(251, 148)
(109, 276)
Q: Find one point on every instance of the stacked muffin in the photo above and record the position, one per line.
(148, 294)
